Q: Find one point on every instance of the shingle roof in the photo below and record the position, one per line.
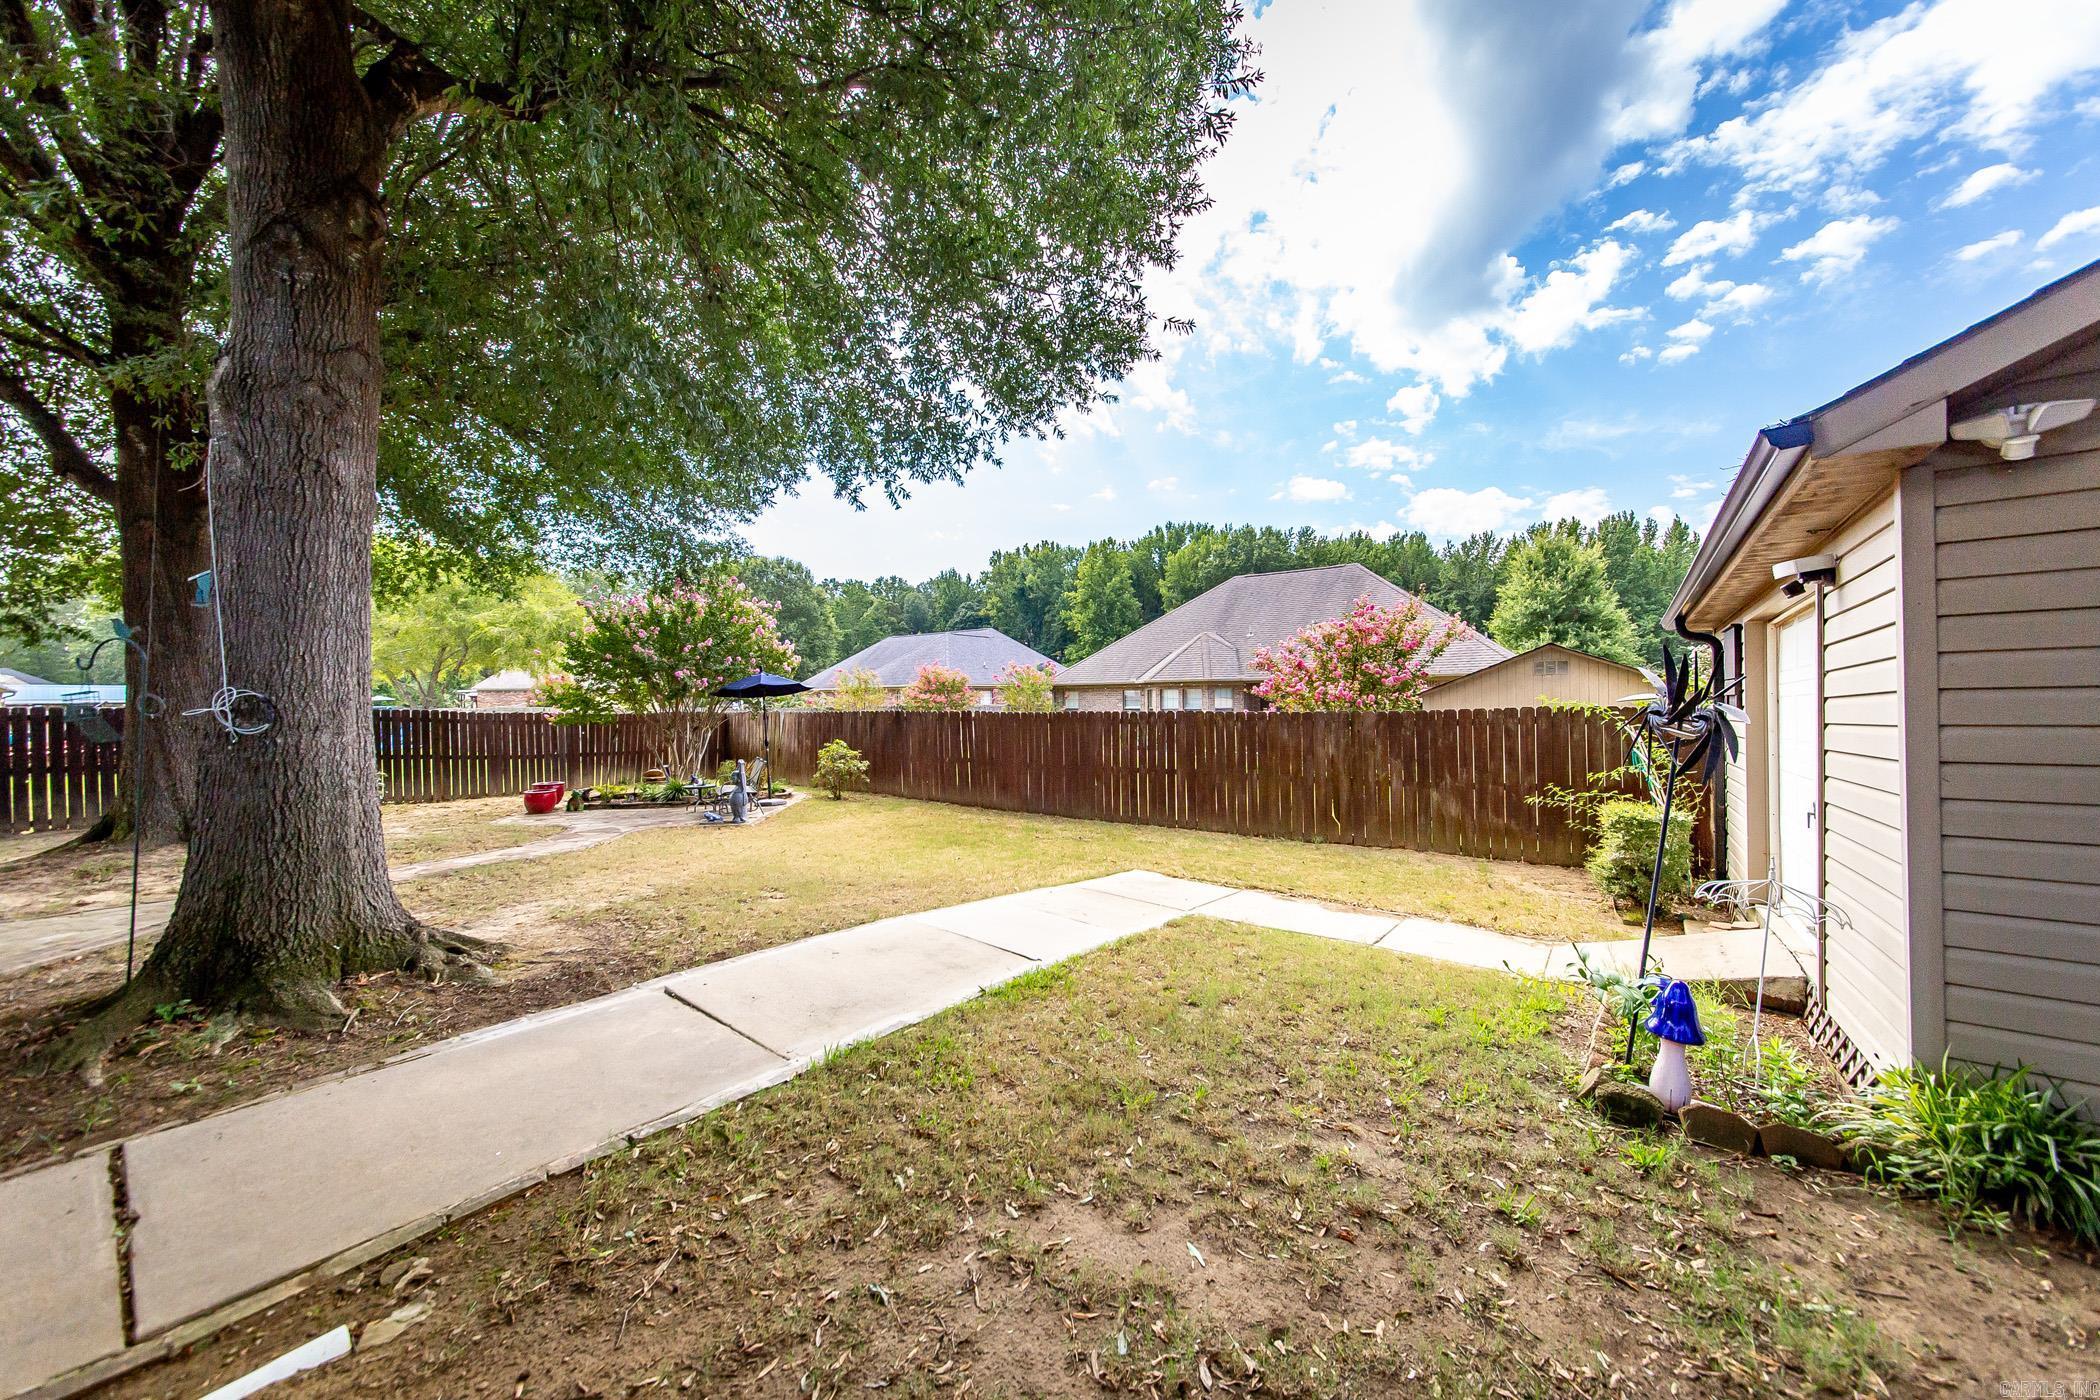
(1214, 635)
(9, 673)
(503, 682)
(980, 653)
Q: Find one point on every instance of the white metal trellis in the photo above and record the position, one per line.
(1769, 896)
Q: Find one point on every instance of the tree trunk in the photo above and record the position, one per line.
(286, 890)
(156, 593)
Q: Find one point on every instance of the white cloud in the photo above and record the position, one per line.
(1150, 387)
(1693, 282)
(2069, 226)
(1326, 230)
(1625, 175)
(1984, 247)
(1571, 300)
(1641, 221)
(1312, 488)
(1445, 510)
(1836, 249)
(1416, 404)
(1167, 485)
(1108, 493)
(1661, 515)
(1347, 429)
(1692, 332)
(1738, 301)
(1376, 454)
(1675, 354)
(1683, 488)
(1635, 355)
(1350, 376)
(1979, 183)
(1951, 71)
(1711, 238)
(1589, 505)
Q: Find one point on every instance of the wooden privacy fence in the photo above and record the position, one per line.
(53, 779)
(1445, 780)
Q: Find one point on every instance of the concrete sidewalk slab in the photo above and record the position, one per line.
(804, 998)
(1472, 947)
(233, 1202)
(26, 943)
(1299, 916)
(1118, 914)
(1012, 923)
(1166, 891)
(58, 1272)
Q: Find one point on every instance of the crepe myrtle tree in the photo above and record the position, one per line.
(1373, 658)
(1028, 690)
(664, 654)
(938, 689)
(872, 239)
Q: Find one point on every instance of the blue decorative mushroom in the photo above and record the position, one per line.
(1674, 1021)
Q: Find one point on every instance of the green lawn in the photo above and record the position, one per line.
(1209, 1159)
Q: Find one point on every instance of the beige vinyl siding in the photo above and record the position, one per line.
(1517, 682)
(2017, 550)
(1862, 798)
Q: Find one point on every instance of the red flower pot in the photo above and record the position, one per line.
(542, 798)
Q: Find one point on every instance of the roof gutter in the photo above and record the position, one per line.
(1774, 456)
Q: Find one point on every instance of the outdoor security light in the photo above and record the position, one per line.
(2014, 430)
(1795, 575)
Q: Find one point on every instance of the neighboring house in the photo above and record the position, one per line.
(1923, 749)
(506, 690)
(981, 653)
(21, 688)
(1546, 672)
(1200, 656)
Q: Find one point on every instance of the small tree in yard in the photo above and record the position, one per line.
(1029, 690)
(664, 654)
(1373, 659)
(858, 689)
(938, 689)
(840, 767)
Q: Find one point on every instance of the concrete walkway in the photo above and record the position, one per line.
(27, 943)
(234, 1212)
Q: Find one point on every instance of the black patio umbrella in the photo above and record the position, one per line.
(761, 686)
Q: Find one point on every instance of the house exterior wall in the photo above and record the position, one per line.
(1100, 698)
(1749, 842)
(500, 700)
(1519, 682)
(1868, 965)
(2016, 559)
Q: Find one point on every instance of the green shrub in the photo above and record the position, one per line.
(1624, 856)
(1989, 1148)
(839, 767)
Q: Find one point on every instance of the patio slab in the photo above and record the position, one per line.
(1300, 916)
(58, 1272)
(1011, 922)
(804, 998)
(1165, 890)
(233, 1202)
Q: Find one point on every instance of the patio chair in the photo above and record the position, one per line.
(707, 794)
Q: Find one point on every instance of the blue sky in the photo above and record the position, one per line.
(1475, 262)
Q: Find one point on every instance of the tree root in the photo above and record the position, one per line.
(306, 1003)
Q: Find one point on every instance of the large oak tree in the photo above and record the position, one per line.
(870, 237)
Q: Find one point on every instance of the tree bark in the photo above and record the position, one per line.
(286, 890)
(155, 498)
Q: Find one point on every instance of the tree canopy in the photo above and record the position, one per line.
(1557, 589)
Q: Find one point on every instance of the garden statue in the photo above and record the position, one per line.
(1675, 1022)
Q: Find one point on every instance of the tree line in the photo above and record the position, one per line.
(1601, 588)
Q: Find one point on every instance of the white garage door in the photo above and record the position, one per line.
(1795, 798)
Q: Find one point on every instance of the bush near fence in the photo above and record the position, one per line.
(1446, 780)
(52, 779)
